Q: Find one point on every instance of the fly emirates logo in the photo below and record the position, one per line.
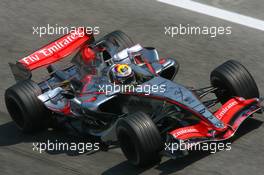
(52, 48)
(184, 131)
(224, 110)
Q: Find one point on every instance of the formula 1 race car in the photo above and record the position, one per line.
(124, 93)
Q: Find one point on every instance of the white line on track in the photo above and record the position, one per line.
(218, 13)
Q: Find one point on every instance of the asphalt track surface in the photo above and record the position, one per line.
(144, 21)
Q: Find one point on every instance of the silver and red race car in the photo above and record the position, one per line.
(123, 93)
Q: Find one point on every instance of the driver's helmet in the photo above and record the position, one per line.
(123, 74)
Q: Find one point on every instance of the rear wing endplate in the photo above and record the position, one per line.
(20, 72)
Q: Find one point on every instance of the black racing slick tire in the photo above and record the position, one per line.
(24, 107)
(139, 139)
(119, 39)
(233, 79)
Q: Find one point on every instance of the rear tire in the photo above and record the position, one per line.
(233, 79)
(139, 139)
(118, 38)
(24, 107)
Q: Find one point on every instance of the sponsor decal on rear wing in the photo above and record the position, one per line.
(56, 50)
(50, 53)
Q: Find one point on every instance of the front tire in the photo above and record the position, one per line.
(24, 107)
(139, 139)
(233, 79)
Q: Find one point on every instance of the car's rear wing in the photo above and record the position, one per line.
(50, 53)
